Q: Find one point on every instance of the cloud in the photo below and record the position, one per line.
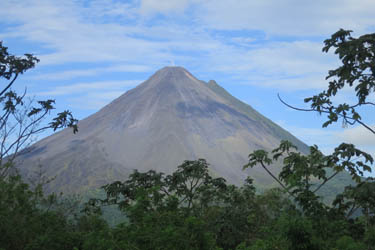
(93, 101)
(244, 41)
(357, 135)
(111, 9)
(64, 75)
(284, 65)
(70, 33)
(329, 138)
(293, 83)
(89, 95)
(77, 88)
(313, 136)
(113, 32)
(71, 74)
(290, 17)
(149, 7)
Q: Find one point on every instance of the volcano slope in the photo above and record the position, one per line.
(169, 118)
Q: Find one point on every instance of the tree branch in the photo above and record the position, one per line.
(276, 179)
(325, 181)
(9, 85)
(327, 112)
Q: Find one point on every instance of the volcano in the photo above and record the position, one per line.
(169, 118)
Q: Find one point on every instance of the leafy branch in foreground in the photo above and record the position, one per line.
(20, 119)
(357, 70)
(303, 175)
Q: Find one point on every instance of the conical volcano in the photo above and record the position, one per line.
(169, 118)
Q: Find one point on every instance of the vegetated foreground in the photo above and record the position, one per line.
(187, 209)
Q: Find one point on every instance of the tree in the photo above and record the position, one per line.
(302, 176)
(20, 119)
(357, 71)
(25, 220)
(190, 188)
(187, 209)
(165, 211)
(29, 220)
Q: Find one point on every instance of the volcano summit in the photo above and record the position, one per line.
(169, 118)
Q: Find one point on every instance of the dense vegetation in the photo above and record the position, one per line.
(189, 209)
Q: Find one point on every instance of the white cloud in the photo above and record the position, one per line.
(163, 6)
(102, 86)
(94, 100)
(244, 41)
(74, 37)
(77, 33)
(70, 74)
(64, 75)
(289, 66)
(110, 8)
(290, 17)
(289, 84)
(329, 138)
(358, 135)
(314, 136)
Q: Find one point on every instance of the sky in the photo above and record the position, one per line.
(93, 51)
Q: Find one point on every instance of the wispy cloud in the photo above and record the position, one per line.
(71, 74)
(93, 101)
(327, 139)
(290, 17)
(104, 87)
(109, 31)
(284, 65)
(150, 7)
(358, 135)
(73, 36)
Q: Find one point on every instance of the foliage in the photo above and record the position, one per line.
(189, 197)
(234, 218)
(357, 71)
(358, 58)
(24, 225)
(189, 188)
(303, 175)
(25, 220)
(20, 119)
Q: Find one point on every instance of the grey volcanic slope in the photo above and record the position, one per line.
(167, 119)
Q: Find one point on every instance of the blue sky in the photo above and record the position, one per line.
(93, 51)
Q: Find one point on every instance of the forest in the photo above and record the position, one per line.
(190, 209)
